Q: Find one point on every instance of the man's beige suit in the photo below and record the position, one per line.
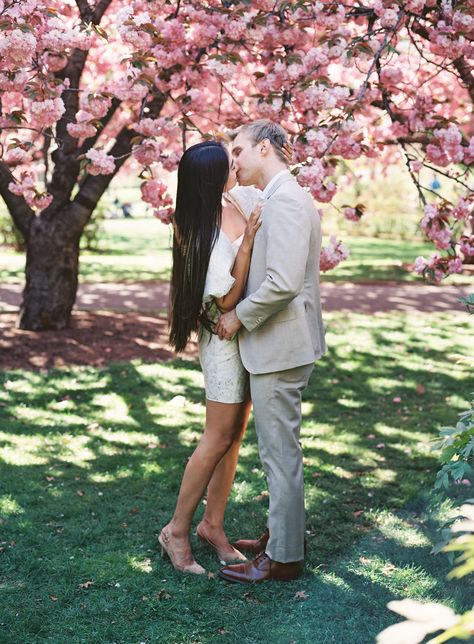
(282, 336)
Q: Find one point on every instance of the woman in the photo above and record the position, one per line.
(212, 247)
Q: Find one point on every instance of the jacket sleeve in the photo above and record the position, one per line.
(287, 231)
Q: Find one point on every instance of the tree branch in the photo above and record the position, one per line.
(84, 8)
(92, 14)
(100, 9)
(465, 72)
(93, 186)
(462, 67)
(66, 166)
(19, 210)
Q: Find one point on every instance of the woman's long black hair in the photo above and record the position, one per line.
(202, 175)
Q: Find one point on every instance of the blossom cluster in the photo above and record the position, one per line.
(99, 162)
(435, 225)
(332, 254)
(437, 267)
(168, 73)
(26, 187)
(156, 194)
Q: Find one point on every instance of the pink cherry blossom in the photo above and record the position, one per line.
(469, 152)
(100, 162)
(463, 209)
(351, 214)
(17, 49)
(159, 77)
(332, 254)
(40, 201)
(153, 192)
(391, 75)
(420, 264)
(164, 215)
(455, 265)
(47, 113)
(147, 152)
(97, 105)
(54, 61)
(415, 6)
(81, 130)
(15, 156)
(466, 245)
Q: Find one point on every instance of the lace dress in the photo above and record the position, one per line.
(225, 378)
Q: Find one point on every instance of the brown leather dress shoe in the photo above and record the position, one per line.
(255, 546)
(261, 569)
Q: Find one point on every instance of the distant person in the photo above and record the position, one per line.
(116, 207)
(127, 210)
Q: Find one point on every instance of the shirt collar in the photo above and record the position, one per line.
(272, 182)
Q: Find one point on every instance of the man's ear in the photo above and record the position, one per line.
(265, 146)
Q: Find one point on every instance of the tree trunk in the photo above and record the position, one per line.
(52, 263)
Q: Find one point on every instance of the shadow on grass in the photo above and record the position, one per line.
(92, 461)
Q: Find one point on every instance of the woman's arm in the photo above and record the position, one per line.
(240, 269)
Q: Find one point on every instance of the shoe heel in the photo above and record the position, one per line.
(162, 548)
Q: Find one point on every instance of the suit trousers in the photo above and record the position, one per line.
(276, 401)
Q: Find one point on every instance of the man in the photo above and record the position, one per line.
(281, 335)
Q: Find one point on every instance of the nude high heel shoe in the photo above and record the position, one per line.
(225, 557)
(167, 547)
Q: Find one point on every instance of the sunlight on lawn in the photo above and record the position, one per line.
(399, 529)
(115, 408)
(121, 437)
(402, 579)
(21, 450)
(91, 461)
(9, 506)
(140, 565)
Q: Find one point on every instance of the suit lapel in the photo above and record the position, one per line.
(281, 180)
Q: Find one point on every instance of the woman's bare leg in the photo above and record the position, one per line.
(212, 523)
(222, 419)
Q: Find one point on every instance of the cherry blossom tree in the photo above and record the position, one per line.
(87, 86)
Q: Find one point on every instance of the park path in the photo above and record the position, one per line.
(361, 298)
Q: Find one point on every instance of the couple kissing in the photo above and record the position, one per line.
(245, 277)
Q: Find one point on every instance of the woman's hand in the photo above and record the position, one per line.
(253, 224)
(287, 150)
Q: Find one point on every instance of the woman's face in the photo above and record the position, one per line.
(232, 180)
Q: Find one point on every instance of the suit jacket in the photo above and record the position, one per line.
(281, 312)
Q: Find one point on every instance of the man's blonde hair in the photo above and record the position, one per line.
(265, 129)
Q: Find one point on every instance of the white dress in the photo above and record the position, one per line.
(225, 378)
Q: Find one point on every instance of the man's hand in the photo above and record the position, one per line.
(228, 325)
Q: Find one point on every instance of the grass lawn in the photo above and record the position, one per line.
(139, 249)
(91, 461)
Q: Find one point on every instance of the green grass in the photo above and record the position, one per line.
(129, 250)
(91, 461)
(375, 259)
(139, 250)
